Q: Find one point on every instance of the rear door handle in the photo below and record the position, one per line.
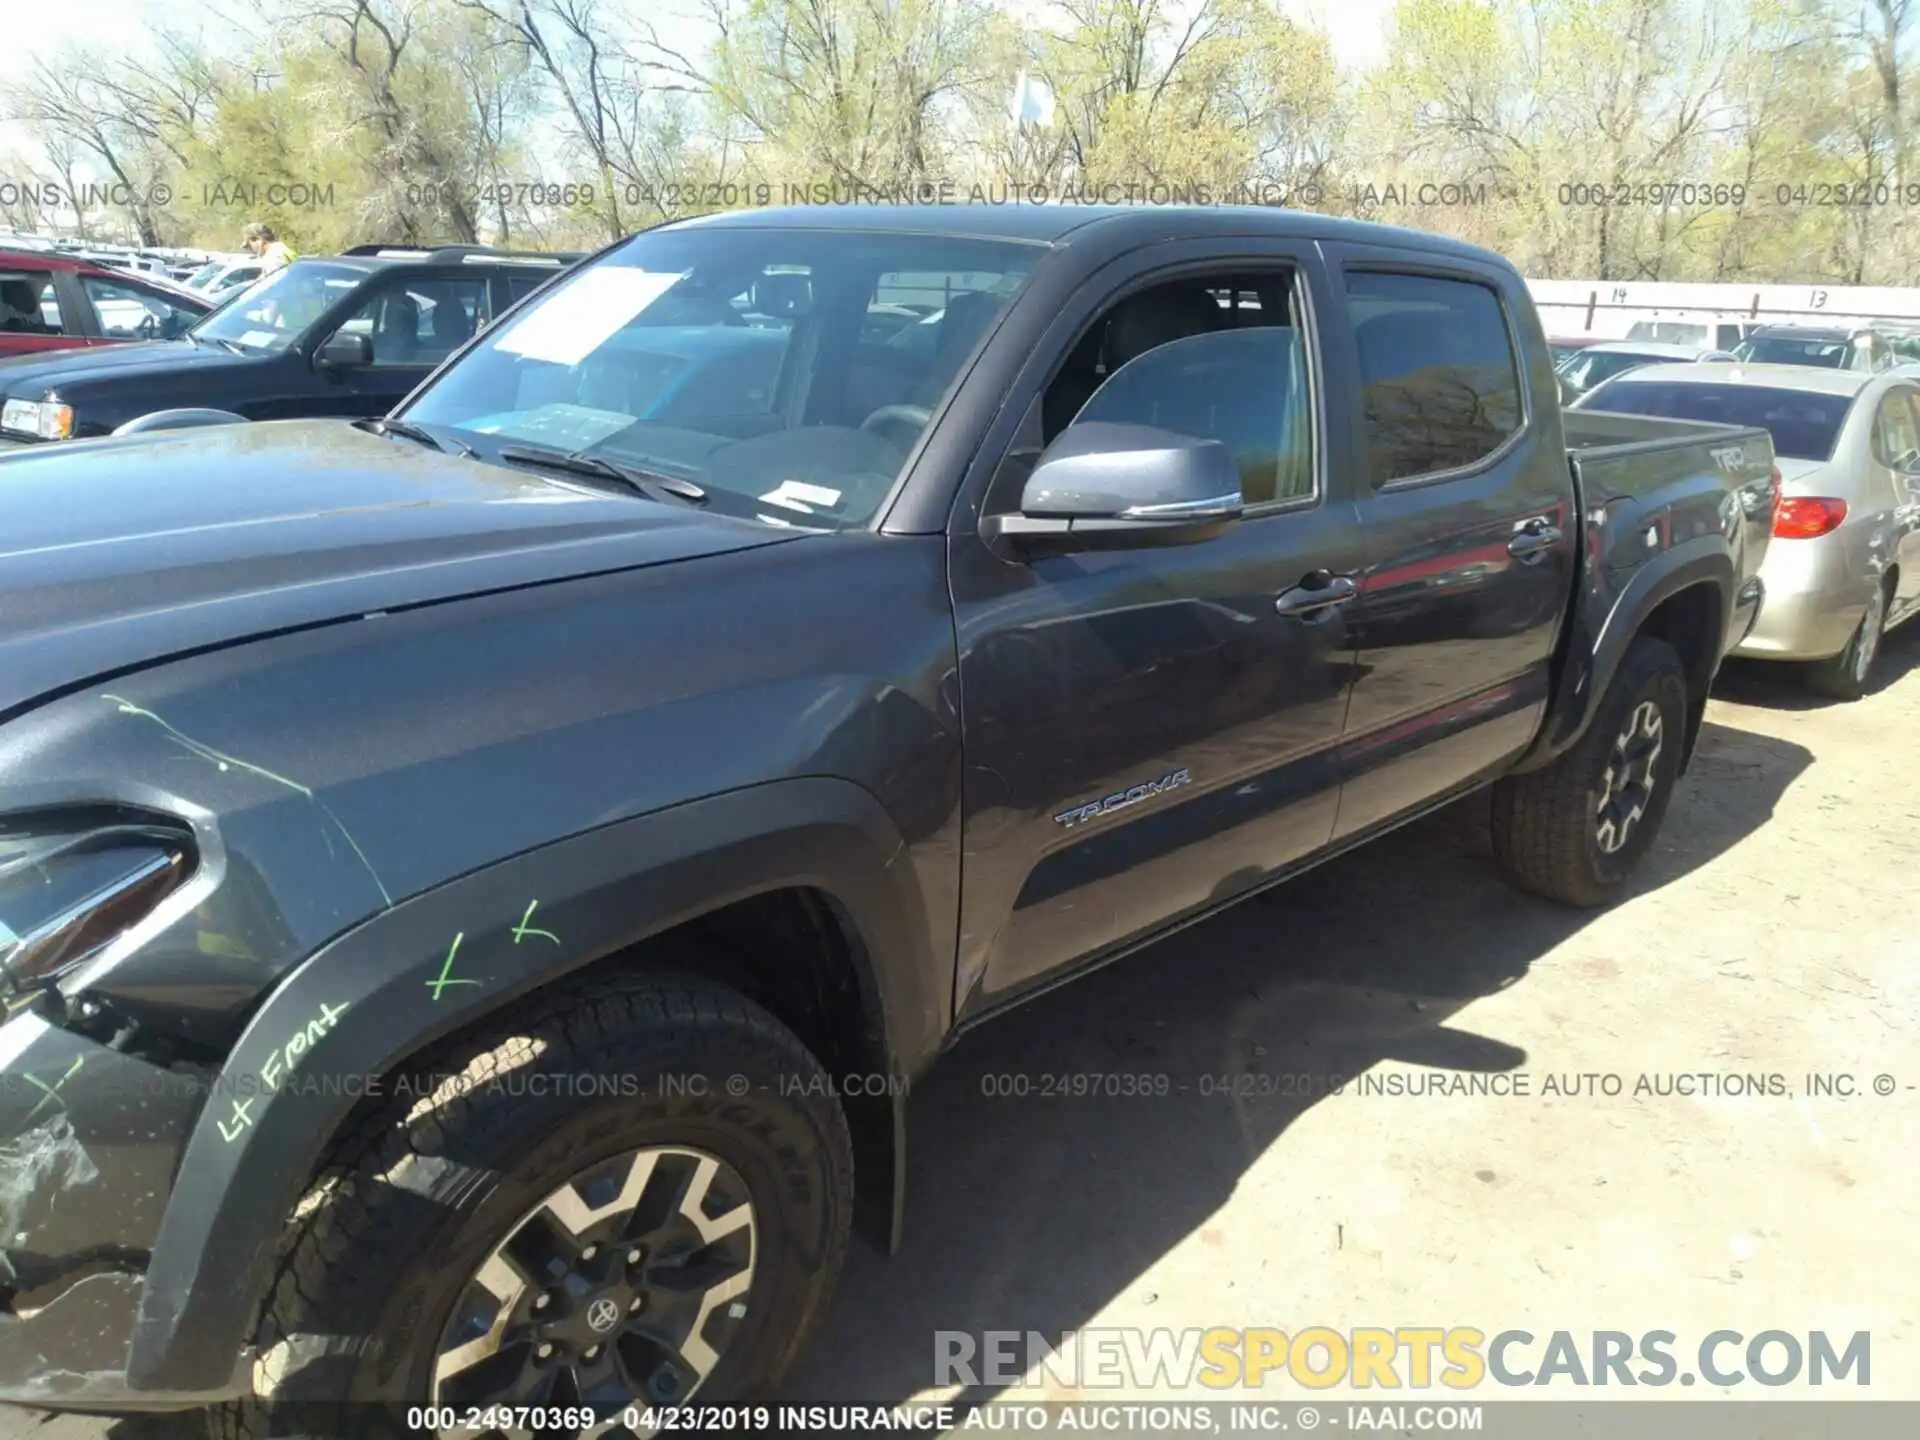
(1533, 538)
(1316, 594)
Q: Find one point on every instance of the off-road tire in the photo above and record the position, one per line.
(419, 1190)
(1545, 821)
(1843, 677)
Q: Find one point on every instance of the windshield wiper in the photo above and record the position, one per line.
(633, 477)
(407, 430)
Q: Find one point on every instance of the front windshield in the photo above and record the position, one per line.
(789, 372)
(276, 310)
(204, 274)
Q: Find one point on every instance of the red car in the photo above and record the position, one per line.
(50, 301)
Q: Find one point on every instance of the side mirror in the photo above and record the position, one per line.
(341, 351)
(1109, 486)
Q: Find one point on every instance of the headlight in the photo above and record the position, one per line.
(72, 884)
(45, 418)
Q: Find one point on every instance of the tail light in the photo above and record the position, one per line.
(1803, 517)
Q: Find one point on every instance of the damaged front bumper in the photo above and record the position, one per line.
(89, 1139)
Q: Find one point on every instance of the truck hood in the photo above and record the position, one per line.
(119, 553)
(31, 377)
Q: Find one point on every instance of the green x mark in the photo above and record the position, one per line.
(51, 1093)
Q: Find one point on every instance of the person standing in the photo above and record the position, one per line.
(266, 247)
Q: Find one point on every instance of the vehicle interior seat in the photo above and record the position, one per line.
(451, 325)
(967, 317)
(1138, 324)
(20, 309)
(888, 372)
(396, 339)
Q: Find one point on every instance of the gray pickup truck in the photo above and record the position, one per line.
(476, 886)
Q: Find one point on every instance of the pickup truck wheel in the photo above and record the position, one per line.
(1574, 830)
(1846, 675)
(639, 1195)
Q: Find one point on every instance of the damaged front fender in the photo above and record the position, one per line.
(91, 1136)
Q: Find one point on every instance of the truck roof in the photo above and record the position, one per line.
(1054, 223)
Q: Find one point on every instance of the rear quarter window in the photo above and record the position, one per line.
(1440, 385)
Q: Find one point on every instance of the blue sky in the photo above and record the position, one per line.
(1356, 26)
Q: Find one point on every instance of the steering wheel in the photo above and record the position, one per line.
(892, 417)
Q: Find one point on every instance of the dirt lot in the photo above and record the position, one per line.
(1775, 933)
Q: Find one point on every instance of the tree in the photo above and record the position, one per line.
(863, 94)
(93, 103)
(613, 86)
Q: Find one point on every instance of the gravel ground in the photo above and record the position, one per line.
(1774, 934)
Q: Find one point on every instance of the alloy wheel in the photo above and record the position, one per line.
(1626, 788)
(622, 1287)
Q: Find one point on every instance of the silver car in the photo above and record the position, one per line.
(1844, 564)
(1596, 364)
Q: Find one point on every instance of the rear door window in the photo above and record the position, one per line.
(30, 304)
(1440, 385)
(1896, 431)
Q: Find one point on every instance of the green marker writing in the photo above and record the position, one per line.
(437, 986)
(522, 930)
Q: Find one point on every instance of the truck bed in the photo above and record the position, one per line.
(1596, 434)
(1657, 465)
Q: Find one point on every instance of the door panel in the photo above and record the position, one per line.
(1146, 733)
(1085, 676)
(1897, 446)
(1469, 546)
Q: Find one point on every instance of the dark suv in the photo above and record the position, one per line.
(340, 335)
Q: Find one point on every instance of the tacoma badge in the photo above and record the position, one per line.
(1121, 799)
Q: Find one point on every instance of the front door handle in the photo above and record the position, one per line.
(1317, 594)
(1533, 539)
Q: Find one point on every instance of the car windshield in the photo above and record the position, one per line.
(279, 307)
(205, 273)
(785, 371)
(1805, 424)
(1590, 367)
(1794, 350)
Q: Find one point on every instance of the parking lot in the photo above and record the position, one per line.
(1774, 934)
